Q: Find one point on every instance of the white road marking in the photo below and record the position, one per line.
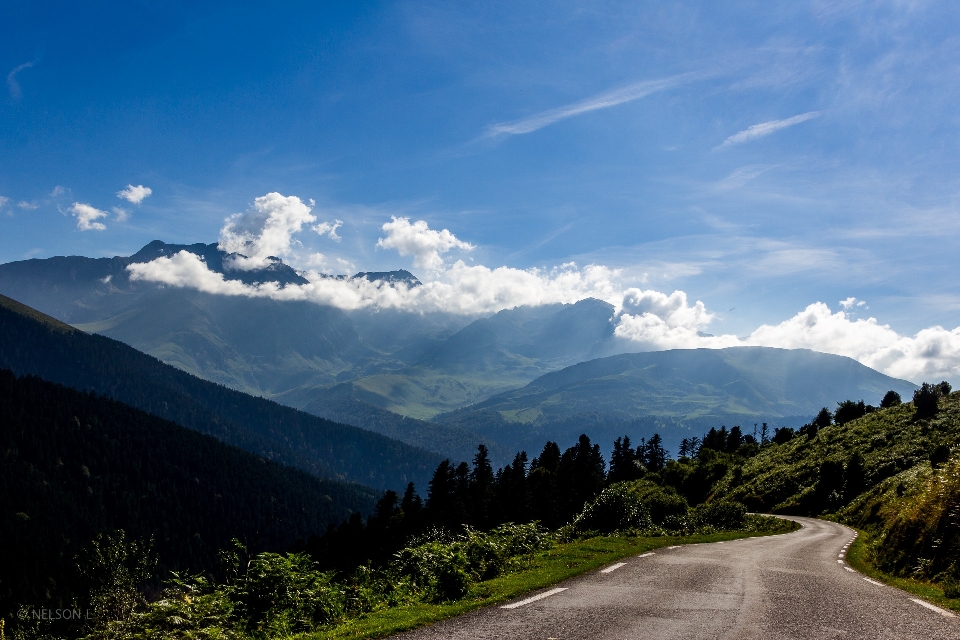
(677, 546)
(849, 569)
(646, 555)
(539, 596)
(613, 567)
(840, 556)
(932, 607)
(872, 581)
(840, 561)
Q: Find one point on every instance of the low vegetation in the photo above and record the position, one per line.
(890, 471)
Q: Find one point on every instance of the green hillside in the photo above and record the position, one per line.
(891, 472)
(34, 344)
(76, 465)
(677, 391)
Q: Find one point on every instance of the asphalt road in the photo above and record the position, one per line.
(793, 586)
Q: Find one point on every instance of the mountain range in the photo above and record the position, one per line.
(439, 381)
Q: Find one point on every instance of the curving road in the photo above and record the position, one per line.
(792, 586)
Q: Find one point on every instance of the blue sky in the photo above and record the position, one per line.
(757, 156)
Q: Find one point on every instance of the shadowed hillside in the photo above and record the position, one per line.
(34, 344)
(77, 464)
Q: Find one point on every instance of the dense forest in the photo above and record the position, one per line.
(76, 464)
(34, 344)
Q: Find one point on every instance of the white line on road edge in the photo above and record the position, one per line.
(613, 567)
(677, 546)
(932, 607)
(646, 555)
(539, 596)
(849, 569)
(872, 581)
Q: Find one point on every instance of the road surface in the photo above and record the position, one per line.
(794, 586)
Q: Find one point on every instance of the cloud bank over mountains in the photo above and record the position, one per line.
(649, 319)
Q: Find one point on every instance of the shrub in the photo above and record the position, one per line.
(891, 399)
(719, 515)
(849, 410)
(616, 508)
(438, 569)
(925, 400)
(663, 502)
(287, 593)
(782, 435)
(939, 455)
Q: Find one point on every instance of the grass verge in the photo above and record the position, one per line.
(859, 558)
(545, 569)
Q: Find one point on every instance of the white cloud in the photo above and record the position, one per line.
(58, 191)
(12, 83)
(420, 241)
(766, 128)
(87, 217)
(120, 214)
(265, 231)
(3, 202)
(850, 303)
(134, 194)
(931, 354)
(329, 229)
(651, 319)
(24, 204)
(600, 101)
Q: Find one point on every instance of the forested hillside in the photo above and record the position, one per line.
(35, 344)
(76, 464)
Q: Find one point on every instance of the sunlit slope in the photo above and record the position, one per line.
(678, 393)
(490, 356)
(890, 472)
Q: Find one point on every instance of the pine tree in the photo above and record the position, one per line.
(481, 495)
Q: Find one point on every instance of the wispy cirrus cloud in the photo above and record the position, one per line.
(15, 92)
(766, 128)
(604, 100)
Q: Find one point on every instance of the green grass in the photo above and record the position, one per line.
(547, 568)
(859, 558)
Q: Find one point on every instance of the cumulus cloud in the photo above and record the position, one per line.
(932, 353)
(120, 214)
(134, 194)
(420, 241)
(12, 84)
(87, 217)
(329, 229)
(766, 128)
(265, 231)
(648, 319)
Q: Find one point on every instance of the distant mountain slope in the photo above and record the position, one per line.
(31, 343)
(489, 356)
(75, 465)
(413, 364)
(450, 442)
(669, 389)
